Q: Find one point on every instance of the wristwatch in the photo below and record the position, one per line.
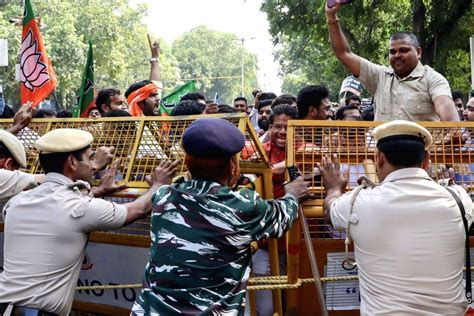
(154, 59)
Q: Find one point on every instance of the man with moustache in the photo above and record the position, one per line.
(47, 228)
(407, 90)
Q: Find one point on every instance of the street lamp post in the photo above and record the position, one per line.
(242, 76)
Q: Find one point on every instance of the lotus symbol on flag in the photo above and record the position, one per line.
(34, 73)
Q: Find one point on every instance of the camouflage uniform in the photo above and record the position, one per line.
(200, 255)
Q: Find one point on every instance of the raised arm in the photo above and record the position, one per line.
(339, 43)
(22, 118)
(155, 73)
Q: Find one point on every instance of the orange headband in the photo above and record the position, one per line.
(138, 96)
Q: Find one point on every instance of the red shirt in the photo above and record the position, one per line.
(276, 155)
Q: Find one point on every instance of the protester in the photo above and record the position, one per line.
(353, 100)
(406, 90)
(396, 274)
(187, 107)
(44, 113)
(240, 105)
(211, 107)
(109, 100)
(264, 112)
(348, 113)
(144, 96)
(313, 103)
(51, 223)
(22, 118)
(457, 99)
(93, 112)
(225, 108)
(208, 249)
(275, 150)
(64, 114)
(285, 98)
(468, 113)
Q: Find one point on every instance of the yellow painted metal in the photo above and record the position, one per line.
(273, 248)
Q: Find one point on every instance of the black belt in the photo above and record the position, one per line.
(24, 311)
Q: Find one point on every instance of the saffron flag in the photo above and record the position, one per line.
(37, 77)
(86, 93)
(172, 99)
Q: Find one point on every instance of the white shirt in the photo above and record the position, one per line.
(46, 232)
(409, 244)
(13, 182)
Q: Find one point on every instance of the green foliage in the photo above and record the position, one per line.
(203, 53)
(300, 26)
(121, 50)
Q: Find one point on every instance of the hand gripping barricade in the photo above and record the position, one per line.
(141, 143)
(113, 268)
(308, 142)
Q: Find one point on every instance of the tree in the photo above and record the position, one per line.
(121, 53)
(442, 26)
(214, 58)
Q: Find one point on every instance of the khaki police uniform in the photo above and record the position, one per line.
(411, 98)
(13, 182)
(408, 239)
(46, 233)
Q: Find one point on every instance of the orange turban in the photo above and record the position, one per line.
(139, 95)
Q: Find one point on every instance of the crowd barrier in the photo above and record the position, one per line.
(116, 258)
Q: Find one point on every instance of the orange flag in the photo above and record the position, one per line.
(37, 77)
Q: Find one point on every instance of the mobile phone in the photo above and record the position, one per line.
(332, 3)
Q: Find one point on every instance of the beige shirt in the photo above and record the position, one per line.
(411, 98)
(13, 182)
(409, 245)
(46, 232)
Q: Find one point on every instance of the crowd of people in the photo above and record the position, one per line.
(409, 231)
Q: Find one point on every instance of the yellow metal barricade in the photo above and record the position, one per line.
(140, 144)
(352, 143)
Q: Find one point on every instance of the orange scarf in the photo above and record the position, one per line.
(139, 95)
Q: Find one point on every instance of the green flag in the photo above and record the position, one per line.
(85, 96)
(172, 99)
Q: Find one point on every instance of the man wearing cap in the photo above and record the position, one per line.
(12, 158)
(408, 231)
(47, 228)
(201, 229)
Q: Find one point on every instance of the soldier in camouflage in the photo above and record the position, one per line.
(201, 230)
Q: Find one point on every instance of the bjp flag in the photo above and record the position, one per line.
(37, 77)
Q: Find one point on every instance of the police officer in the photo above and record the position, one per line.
(46, 228)
(408, 231)
(201, 229)
(12, 158)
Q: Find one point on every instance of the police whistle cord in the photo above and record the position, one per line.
(294, 173)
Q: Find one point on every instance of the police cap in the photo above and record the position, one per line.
(212, 137)
(400, 129)
(63, 140)
(14, 146)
